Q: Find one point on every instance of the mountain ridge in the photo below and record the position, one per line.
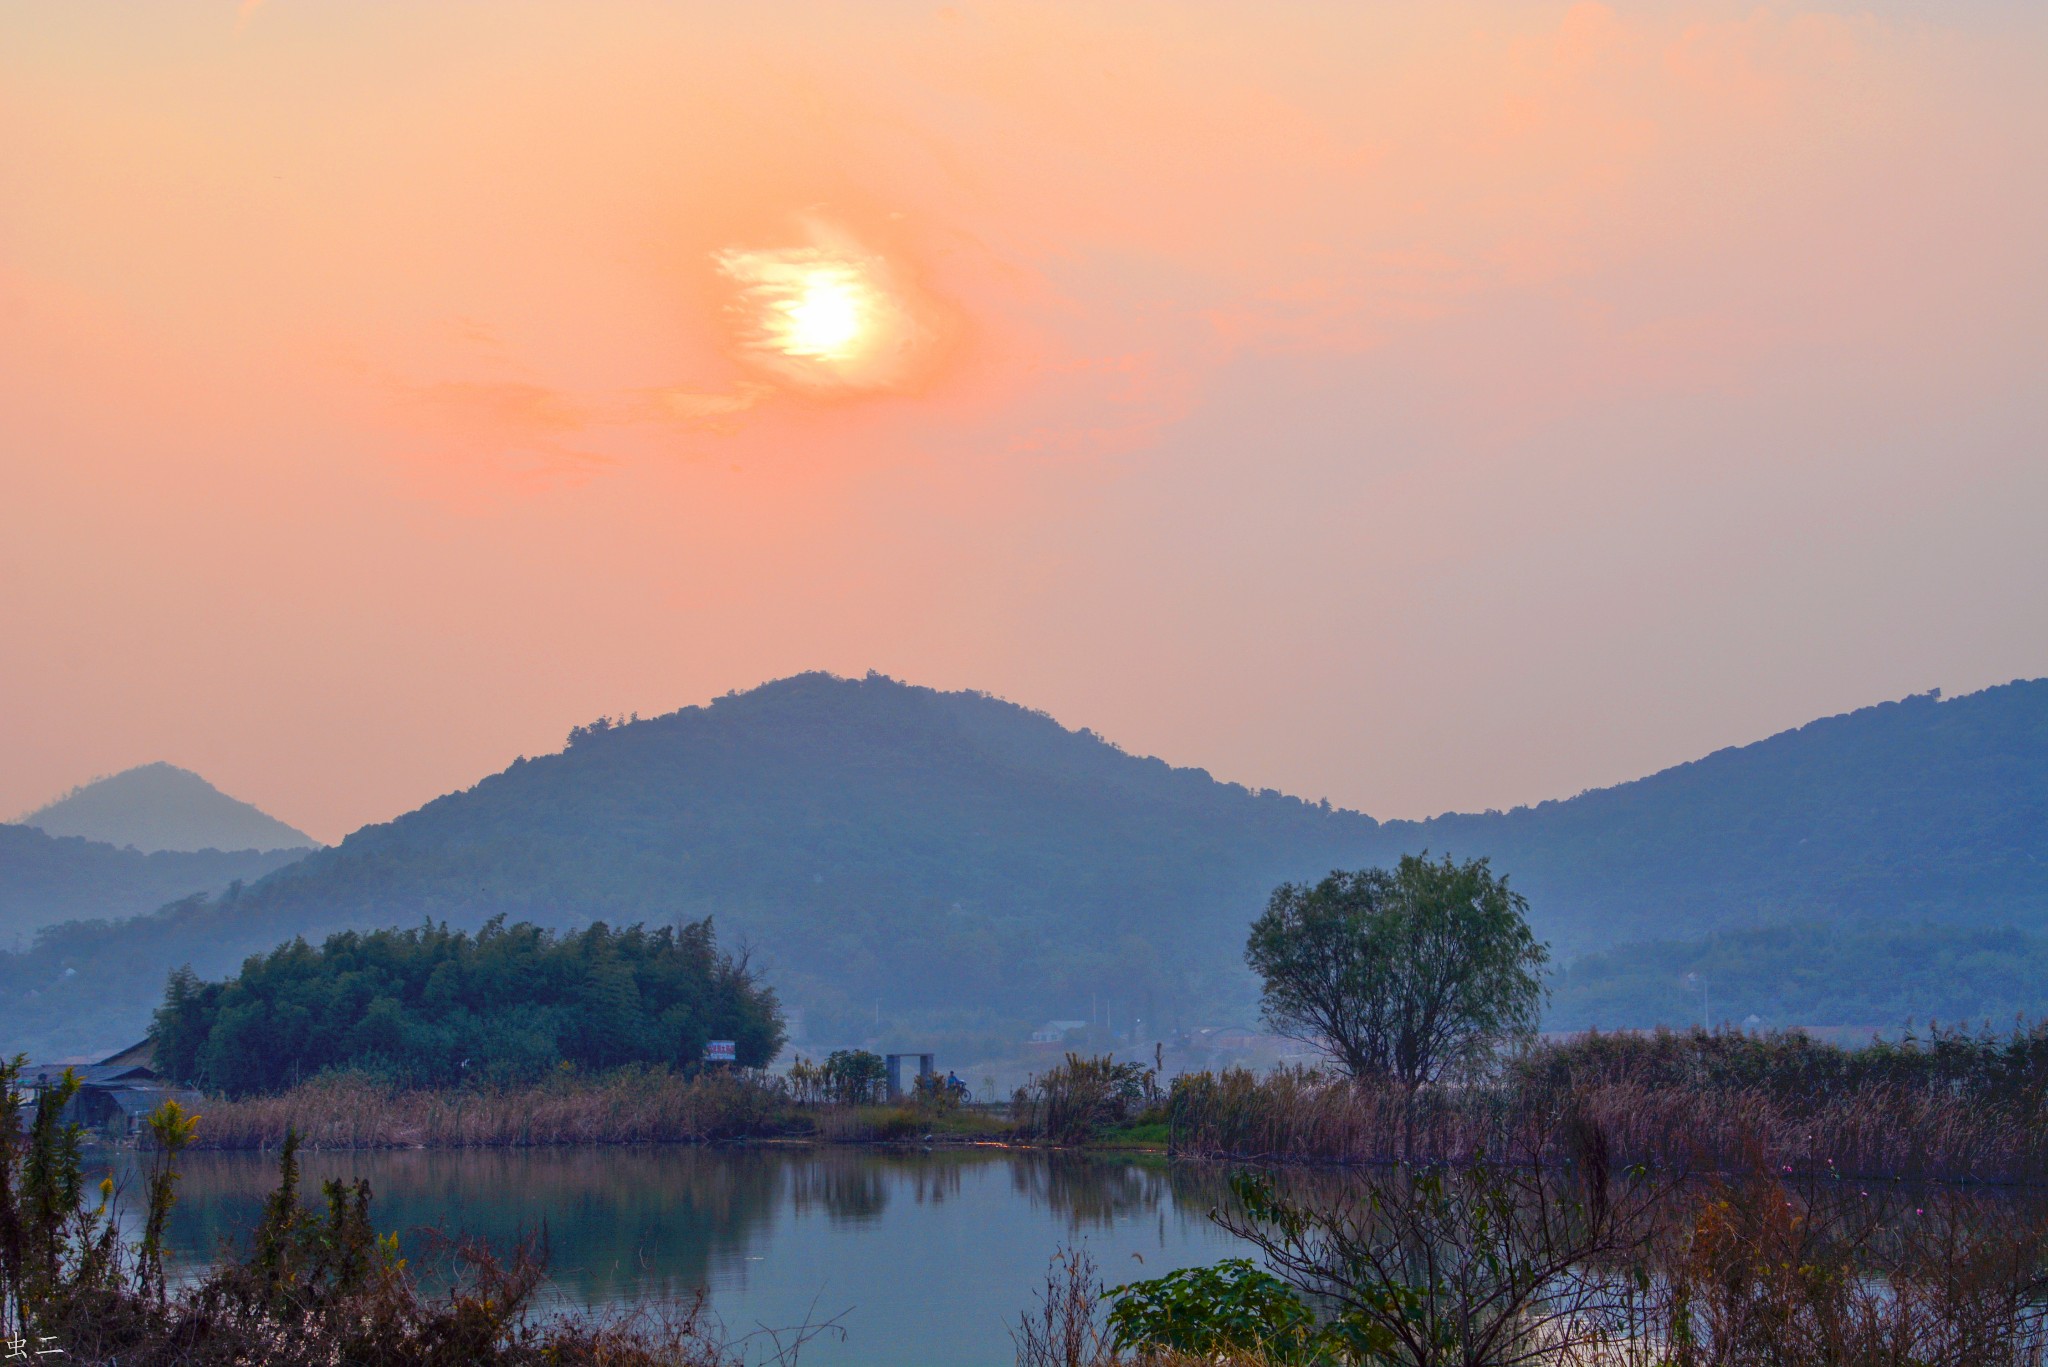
(953, 861)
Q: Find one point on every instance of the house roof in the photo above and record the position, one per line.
(90, 1074)
(143, 1051)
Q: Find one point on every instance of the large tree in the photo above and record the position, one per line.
(1408, 974)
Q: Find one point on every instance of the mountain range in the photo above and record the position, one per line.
(906, 862)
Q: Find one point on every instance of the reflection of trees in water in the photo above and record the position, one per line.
(1091, 1192)
(848, 1187)
(619, 1222)
(625, 1222)
(854, 1187)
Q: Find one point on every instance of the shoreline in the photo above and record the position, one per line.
(1972, 1113)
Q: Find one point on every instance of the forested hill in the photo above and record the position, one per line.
(884, 848)
(896, 852)
(45, 878)
(1913, 810)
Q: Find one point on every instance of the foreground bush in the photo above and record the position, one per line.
(1503, 1265)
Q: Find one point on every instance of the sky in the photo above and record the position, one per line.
(1423, 406)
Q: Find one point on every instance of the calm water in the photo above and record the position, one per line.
(929, 1255)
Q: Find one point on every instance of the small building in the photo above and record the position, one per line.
(1052, 1034)
(115, 1094)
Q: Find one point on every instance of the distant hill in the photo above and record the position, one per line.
(1918, 810)
(44, 879)
(948, 862)
(162, 807)
(1839, 974)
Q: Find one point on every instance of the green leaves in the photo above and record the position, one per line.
(1413, 973)
(1231, 1307)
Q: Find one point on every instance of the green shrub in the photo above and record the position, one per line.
(1229, 1308)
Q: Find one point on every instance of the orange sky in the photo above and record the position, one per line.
(1425, 406)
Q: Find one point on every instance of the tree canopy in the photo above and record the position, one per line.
(1408, 973)
(431, 1006)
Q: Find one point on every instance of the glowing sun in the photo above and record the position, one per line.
(828, 316)
(825, 318)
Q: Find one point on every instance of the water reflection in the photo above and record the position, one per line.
(617, 1221)
(1088, 1194)
(937, 1249)
(931, 1255)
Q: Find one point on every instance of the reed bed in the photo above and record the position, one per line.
(1704, 1102)
(627, 1107)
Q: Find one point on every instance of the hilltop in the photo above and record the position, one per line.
(162, 807)
(950, 861)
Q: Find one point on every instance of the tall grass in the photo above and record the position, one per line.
(628, 1106)
(1077, 1098)
(347, 1111)
(1952, 1108)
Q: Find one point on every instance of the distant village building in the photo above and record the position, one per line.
(1054, 1033)
(1229, 1037)
(116, 1094)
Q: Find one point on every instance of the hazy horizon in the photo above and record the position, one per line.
(1434, 409)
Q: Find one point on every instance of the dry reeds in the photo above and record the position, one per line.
(1072, 1101)
(1973, 1111)
(630, 1106)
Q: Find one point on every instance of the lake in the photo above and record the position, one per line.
(927, 1256)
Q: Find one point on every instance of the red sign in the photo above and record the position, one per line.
(721, 1051)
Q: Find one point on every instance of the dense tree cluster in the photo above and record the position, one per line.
(432, 1006)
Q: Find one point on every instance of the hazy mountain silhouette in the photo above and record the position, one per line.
(162, 807)
(1913, 809)
(950, 861)
(45, 879)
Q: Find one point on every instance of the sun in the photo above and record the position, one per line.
(827, 317)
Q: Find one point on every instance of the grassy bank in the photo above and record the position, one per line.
(1949, 1108)
(628, 1106)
